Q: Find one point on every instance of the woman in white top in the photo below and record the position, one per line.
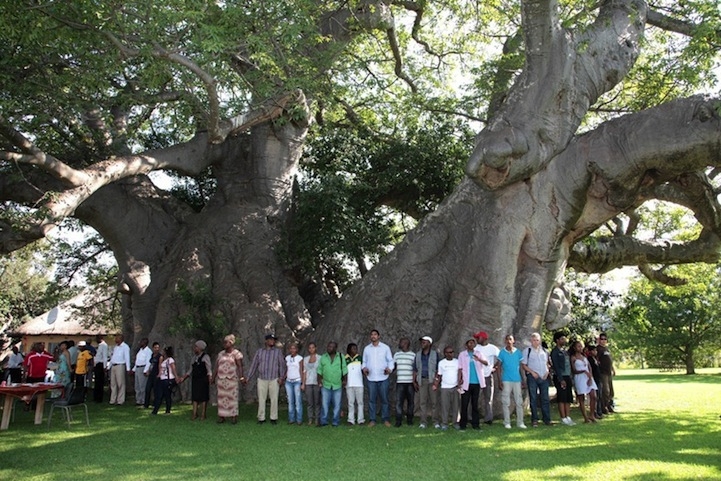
(167, 376)
(583, 381)
(294, 384)
(310, 382)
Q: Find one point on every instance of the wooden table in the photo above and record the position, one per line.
(25, 393)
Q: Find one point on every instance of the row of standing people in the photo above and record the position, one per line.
(323, 378)
(453, 384)
(156, 372)
(458, 385)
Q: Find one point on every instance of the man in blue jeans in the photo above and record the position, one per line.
(535, 364)
(377, 366)
(332, 372)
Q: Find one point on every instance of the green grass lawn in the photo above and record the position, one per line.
(667, 427)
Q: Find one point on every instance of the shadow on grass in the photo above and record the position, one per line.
(124, 443)
(677, 377)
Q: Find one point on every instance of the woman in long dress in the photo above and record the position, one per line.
(227, 376)
(62, 373)
(583, 381)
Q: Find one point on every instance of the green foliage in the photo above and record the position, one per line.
(671, 65)
(200, 316)
(592, 305)
(673, 326)
(27, 286)
(359, 188)
(667, 221)
(194, 191)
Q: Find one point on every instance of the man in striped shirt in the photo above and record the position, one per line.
(269, 365)
(404, 360)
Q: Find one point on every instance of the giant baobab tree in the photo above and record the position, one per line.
(96, 98)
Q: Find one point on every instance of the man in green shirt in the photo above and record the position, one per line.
(332, 372)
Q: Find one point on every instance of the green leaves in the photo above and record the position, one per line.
(673, 326)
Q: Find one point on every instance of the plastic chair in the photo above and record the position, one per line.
(73, 397)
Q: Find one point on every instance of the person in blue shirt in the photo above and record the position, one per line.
(509, 370)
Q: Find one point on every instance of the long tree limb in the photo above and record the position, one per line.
(607, 253)
(563, 76)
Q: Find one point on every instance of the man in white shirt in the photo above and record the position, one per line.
(15, 366)
(100, 362)
(377, 366)
(142, 359)
(535, 363)
(490, 352)
(448, 379)
(354, 385)
(119, 365)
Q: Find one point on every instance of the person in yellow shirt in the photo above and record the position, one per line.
(83, 366)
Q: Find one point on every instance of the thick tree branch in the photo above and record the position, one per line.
(398, 58)
(563, 76)
(267, 111)
(659, 275)
(631, 159)
(208, 81)
(607, 253)
(34, 156)
(670, 24)
(695, 192)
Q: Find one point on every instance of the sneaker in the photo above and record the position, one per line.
(437, 426)
(522, 426)
(570, 421)
(388, 424)
(422, 425)
(508, 426)
(444, 428)
(371, 424)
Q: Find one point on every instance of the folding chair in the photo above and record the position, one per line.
(73, 397)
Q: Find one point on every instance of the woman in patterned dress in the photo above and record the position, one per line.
(62, 373)
(228, 374)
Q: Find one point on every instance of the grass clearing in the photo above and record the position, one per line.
(667, 428)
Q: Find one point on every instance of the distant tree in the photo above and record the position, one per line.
(27, 284)
(673, 325)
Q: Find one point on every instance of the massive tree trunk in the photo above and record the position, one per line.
(494, 260)
(222, 258)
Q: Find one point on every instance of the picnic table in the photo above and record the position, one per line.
(25, 392)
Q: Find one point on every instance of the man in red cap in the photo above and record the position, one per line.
(490, 352)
